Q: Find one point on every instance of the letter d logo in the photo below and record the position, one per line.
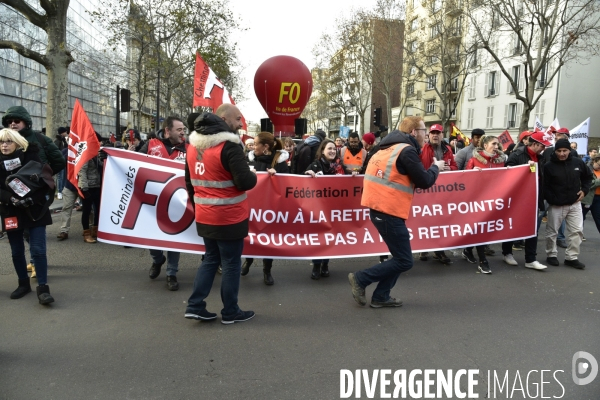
(581, 367)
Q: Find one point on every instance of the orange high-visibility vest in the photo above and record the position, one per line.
(353, 163)
(384, 188)
(217, 200)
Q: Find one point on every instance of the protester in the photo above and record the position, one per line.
(70, 195)
(289, 146)
(325, 163)
(221, 209)
(61, 143)
(465, 154)
(306, 151)
(172, 147)
(529, 154)
(249, 147)
(574, 145)
(391, 176)
(437, 149)
(524, 138)
(89, 180)
(353, 155)
(269, 156)
(566, 182)
(133, 140)
(591, 202)
(592, 152)
(486, 156)
(28, 212)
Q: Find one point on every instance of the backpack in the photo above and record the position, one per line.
(294, 166)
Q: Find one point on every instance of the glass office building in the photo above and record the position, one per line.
(92, 77)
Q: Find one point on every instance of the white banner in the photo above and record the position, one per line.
(580, 135)
(159, 185)
(538, 125)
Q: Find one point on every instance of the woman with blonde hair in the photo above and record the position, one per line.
(268, 155)
(30, 211)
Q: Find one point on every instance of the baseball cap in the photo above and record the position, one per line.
(564, 131)
(539, 137)
(524, 134)
(436, 127)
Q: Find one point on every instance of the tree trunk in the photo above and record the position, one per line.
(58, 60)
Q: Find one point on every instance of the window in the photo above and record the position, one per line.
(430, 106)
(413, 70)
(511, 116)
(470, 114)
(472, 86)
(413, 46)
(517, 48)
(409, 111)
(539, 109)
(495, 20)
(542, 80)
(489, 120)
(414, 24)
(454, 85)
(491, 85)
(437, 5)
(431, 82)
(435, 30)
(454, 106)
(474, 60)
(410, 89)
(516, 76)
(434, 60)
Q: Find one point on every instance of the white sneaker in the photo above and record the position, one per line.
(535, 265)
(510, 260)
(59, 196)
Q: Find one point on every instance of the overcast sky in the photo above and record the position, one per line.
(282, 28)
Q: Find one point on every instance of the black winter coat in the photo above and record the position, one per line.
(520, 156)
(39, 209)
(563, 179)
(263, 163)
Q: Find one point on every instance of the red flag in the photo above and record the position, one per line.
(209, 91)
(112, 139)
(505, 139)
(83, 144)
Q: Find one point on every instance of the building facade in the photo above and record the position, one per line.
(92, 79)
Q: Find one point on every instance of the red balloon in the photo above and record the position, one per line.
(283, 85)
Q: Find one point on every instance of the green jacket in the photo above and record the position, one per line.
(49, 153)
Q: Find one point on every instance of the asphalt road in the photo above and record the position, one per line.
(115, 334)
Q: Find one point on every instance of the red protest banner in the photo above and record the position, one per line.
(505, 139)
(292, 216)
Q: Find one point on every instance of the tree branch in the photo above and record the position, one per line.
(25, 52)
(23, 8)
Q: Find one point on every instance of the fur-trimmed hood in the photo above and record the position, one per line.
(203, 142)
(498, 158)
(283, 156)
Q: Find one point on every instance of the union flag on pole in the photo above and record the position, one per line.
(459, 135)
(505, 139)
(83, 144)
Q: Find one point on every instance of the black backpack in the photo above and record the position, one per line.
(294, 166)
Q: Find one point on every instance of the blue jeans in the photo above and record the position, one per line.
(172, 260)
(228, 254)
(394, 233)
(61, 180)
(37, 247)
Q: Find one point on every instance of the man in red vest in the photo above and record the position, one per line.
(173, 147)
(389, 182)
(217, 177)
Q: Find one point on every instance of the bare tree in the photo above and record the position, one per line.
(544, 35)
(51, 17)
(438, 56)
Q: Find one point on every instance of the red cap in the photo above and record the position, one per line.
(369, 138)
(524, 134)
(564, 131)
(436, 127)
(540, 137)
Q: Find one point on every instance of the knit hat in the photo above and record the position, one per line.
(190, 120)
(321, 133)
(562, 144)
(62, 130)
(16, 112)
(369, 138)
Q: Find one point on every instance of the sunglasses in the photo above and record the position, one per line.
(15, 121)
(6, 142)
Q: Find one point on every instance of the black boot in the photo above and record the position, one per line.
(43, 293)
(316, 272)
(267, 264)
(22, 290)
(246, 266)
(325, 270)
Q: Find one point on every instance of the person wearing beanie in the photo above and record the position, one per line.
(464, 155)
(17, 118)
(306, 152)
(566, 182)
(217, 183)
(353, 155)
(190, 121)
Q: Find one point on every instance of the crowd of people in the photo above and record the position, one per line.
(414, 155)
